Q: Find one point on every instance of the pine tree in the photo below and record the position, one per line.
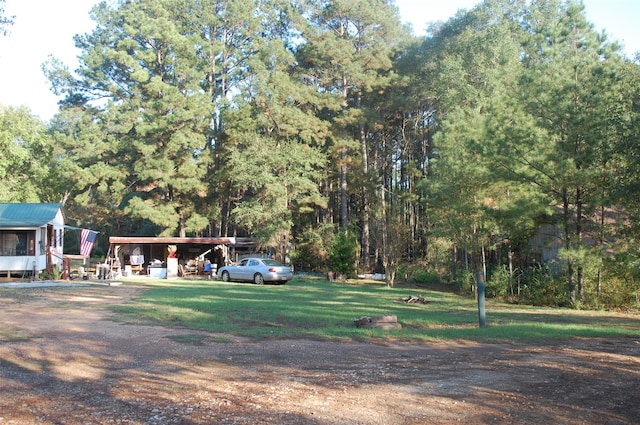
(569, 86)
(347, 52)
(155, 115)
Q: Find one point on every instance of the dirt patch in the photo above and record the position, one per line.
(63, 362)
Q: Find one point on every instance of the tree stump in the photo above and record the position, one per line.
(335, 276)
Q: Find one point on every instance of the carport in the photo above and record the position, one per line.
(150, 255)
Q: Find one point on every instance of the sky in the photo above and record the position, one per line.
(46, 28)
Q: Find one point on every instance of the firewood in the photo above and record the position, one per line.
(415, 299)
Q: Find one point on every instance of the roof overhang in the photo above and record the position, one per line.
(122, 240)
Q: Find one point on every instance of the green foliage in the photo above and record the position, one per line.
(417, 273)
(424, 277)
(618, 286)
(312, 248)
(541, 286)
(26, 152)
(532, 123)
(498, 283)
(146, 156)
(276, 179)
(344, 254)
(465, 282)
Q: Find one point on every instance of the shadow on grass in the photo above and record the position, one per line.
(317, 309)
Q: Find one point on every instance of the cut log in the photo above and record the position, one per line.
(387, 318)
(387, 321)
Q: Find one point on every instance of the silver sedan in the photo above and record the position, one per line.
(256, 270)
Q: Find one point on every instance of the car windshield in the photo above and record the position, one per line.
(269, 262)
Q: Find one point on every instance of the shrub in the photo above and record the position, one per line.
(540, 286)
(311, 249)
(497, 284)
(344, 254)
(619, 283)
(465, 283)
(424, 277)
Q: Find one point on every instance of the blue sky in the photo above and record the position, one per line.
(47, 27)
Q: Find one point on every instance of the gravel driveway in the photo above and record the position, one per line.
(62, 361)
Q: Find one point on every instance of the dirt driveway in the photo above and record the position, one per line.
(62, 361)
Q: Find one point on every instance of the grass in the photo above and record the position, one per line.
(12, 335)
(317, 309)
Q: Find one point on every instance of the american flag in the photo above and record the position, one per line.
(87, 239)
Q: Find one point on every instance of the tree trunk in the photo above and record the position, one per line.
(510, 255)
(344, 195)
(454, 263)
(567, 243)
(182, 227)
(344, 210)
(366, 210)
(484, 260)
(579, 240)
(599, 288)
(385, 238)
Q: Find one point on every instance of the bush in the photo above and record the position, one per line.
(344, 254)
(497, 284)
(620, 283)
(417, 273)
(424, 277)
(540, 286)
(311, 249)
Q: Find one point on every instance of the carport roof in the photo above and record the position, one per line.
(121, 240)
(27, 214)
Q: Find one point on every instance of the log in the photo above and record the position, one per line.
(387, 321)
(387, 318)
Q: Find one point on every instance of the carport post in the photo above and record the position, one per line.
(481, 310)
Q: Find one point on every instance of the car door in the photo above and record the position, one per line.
(242, 270)
(250, 269)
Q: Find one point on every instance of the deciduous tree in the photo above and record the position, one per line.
(26, 152)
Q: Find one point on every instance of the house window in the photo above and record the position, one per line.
(17, 242)
(43, 240)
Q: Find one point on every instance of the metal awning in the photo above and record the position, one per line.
(121, 240)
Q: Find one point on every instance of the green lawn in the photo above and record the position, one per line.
(318, 309)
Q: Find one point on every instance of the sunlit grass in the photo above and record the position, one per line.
(10, 334)
(317, 309)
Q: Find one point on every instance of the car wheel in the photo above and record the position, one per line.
(258, 279)
(225, 276)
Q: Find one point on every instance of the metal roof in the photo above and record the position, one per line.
(27, 215)
(121, 240)
(231, 240)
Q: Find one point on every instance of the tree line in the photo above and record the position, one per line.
(328, 127)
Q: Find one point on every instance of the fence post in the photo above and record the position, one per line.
(481, 308)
